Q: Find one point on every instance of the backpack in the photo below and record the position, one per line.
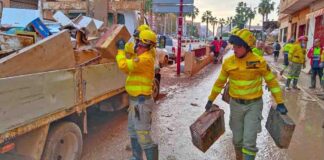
(277, 47)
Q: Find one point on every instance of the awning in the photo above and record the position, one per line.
(315, 13)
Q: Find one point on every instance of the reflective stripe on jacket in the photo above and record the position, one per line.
(257, 51)
(287, 47)
(297, 54)
(140, 72)
(245, 78)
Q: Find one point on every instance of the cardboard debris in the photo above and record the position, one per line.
(62, 19)
(107, 43)
(18, 17)
(53, 53)
(14, 42)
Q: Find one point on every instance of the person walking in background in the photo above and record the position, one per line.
(296, 56)
(286, 49)
(314, 54)
(216, 49)
(276, 50)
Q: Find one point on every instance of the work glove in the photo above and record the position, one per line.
(208, 105)
(282, 108)
(120, 44)
(321, 65)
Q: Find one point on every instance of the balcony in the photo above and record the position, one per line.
(292, 6)
(65, 5)
(125, 5)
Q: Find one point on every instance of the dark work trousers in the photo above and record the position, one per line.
(316, 71)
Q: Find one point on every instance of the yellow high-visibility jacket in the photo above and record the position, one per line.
(245, 78)
(257, 51)
(140, 72)
(287, 47)
(297, 54)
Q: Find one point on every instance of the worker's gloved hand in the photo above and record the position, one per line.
(321, 65)
(282, 108)
(120, 44)
(208, 105)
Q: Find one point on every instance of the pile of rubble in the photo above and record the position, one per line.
(29, 44)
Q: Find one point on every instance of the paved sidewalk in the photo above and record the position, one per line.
(303, 82)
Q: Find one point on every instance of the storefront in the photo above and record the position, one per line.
(316, 20)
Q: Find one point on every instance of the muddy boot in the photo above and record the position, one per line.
(238, 153)
(152, 153)
(136, 149)
(248, 157)
(288, 84)
(295, 84)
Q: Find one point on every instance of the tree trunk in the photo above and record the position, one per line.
(192, 26)
(262, 22)
(164, 26)
(207, 29)
(214, 30)
(230, 27)
(250, 23)
(221, 30)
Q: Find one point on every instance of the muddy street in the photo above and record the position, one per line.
(181, 103)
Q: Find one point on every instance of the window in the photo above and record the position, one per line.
(120, 18)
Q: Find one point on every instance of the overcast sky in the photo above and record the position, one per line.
(226, 8)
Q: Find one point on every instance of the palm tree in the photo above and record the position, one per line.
(240, 18)
(221, 22)
(250, 15)
(229, 22)
(148, 9)
(265, 8)
(213, 22)
(193, 16)
(205, 18)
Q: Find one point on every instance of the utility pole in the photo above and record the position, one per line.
(179, 36)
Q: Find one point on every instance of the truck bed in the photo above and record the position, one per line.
(28, 99)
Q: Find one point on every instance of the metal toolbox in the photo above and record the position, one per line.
(281, 128)
(207, 129)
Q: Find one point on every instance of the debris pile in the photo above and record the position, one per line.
(29, 44)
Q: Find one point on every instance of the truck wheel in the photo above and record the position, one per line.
(156, 89)
(64, 142)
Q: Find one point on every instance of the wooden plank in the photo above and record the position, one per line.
(53, 53)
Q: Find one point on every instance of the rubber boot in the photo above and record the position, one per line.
(152, 153)
(288, 84)
(136, 149)
(295, 81)
(248, 157)
(238, 153)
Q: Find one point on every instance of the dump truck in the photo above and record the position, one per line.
(45, 91)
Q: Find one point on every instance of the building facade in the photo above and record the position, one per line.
(301, 17)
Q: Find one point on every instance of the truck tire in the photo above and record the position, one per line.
(156, 89)
(64, 142)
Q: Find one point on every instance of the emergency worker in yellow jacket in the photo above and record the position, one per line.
(139, 83)
(244, 72)
(258, 50)
(297, 56)
(286, 49)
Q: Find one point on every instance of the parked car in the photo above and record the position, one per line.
(171, 46)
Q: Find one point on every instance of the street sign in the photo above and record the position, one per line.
(157, 8)
(173, 1)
